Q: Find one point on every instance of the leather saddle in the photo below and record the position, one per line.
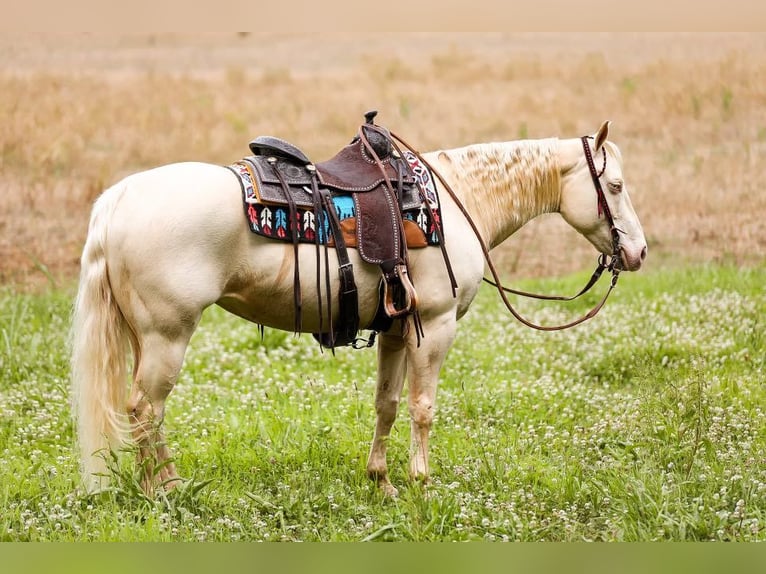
(352, 170)
(381, 183)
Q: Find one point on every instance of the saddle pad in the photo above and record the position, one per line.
(272, 221)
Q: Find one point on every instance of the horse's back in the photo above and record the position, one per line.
(166, 189)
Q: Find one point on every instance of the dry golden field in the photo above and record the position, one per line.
(688, 111)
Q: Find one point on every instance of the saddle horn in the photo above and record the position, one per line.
(370, 116)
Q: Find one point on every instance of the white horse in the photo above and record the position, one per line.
(167, 243)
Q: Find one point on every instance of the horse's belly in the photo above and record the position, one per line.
(263, 291)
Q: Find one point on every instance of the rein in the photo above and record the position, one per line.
(603, 263)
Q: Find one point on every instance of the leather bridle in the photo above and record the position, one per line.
(603, 206)
(612, 262)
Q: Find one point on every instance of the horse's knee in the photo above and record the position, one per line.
(422, 413)
(387, 407)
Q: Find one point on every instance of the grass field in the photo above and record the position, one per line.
(645, 424)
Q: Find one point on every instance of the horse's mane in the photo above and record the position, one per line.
(516, 180)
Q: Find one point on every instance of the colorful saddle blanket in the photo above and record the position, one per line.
(272, 220)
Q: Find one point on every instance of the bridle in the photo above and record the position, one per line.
(603, 206)
(605, 262)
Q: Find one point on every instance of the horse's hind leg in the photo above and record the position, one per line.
(159, 359)
(392, 368)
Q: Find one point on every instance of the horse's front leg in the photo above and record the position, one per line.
(425, 362)
(392, 368)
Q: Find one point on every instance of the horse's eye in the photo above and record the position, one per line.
(615, 186)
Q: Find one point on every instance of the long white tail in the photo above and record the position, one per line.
(99, 342)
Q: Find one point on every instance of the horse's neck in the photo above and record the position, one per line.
(505, 185)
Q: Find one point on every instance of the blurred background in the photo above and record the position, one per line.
(81, 111)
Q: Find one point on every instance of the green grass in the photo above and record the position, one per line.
(646, 423)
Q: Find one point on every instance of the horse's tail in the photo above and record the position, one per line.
(99, 343)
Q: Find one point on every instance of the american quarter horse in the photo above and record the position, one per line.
(167, 243)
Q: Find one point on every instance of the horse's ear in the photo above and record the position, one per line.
(602, 134)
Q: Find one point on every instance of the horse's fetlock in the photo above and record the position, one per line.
(376, 474)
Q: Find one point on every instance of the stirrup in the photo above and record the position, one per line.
(410, 295)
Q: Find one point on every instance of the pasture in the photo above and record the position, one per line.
(646, 423)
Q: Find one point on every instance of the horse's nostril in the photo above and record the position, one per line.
(643, 253)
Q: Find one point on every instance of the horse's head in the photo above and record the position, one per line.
(595, 200)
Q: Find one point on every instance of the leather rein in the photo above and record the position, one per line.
(611, 263)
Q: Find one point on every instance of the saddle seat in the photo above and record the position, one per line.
(351, 170)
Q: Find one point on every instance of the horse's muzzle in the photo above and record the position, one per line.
(630, 262)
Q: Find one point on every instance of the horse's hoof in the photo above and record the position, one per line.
(388, 490)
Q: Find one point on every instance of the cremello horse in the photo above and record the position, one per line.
(167, 243)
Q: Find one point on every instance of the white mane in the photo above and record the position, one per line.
(510, 182)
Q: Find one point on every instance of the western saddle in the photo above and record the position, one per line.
(382, 184)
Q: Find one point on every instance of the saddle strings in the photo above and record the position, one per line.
(497, 282)
(293, 227)
(319, 223)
